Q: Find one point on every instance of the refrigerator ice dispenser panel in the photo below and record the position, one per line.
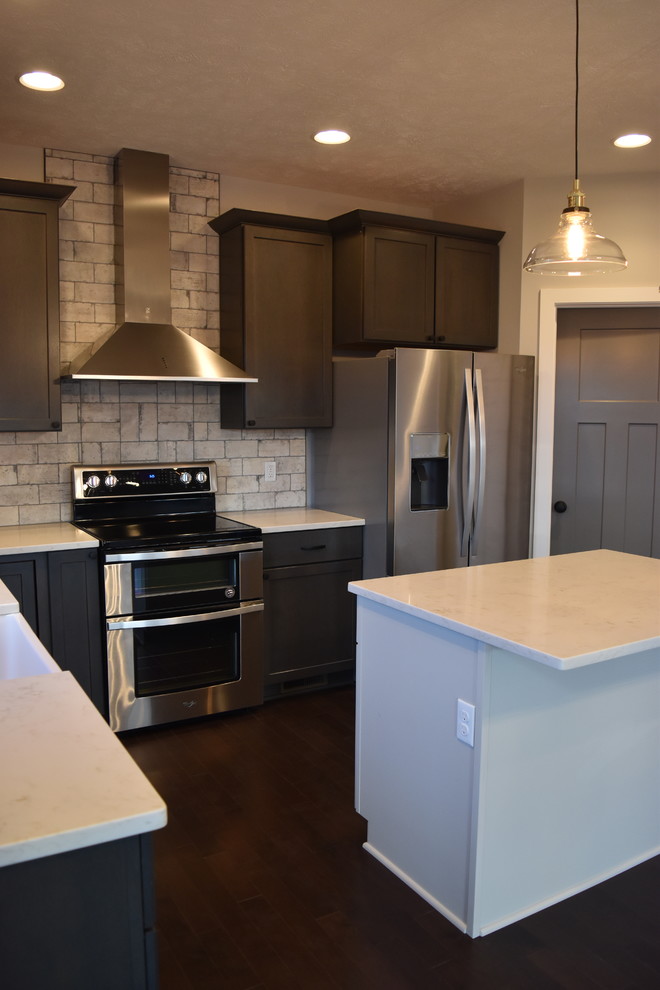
(429, 471)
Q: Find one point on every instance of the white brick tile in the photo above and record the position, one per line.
(104, 233)
(105, 273)
(286, 499)
(105, 313)
(104, 193)
(189, 280)
(187, 318)
(83, 193)
(273, 448)
(18, 453)
(58, 168)
(175, 412)
(262, 501)
(38, 514)
(190, 204)
(9, 475)
(204, 187)
(59, 453)
(96, 292)
(19, 495)
(189, 242)
(184, 451)
(148, 421)
(139, 391)
(241, 448)
(71, 230)
(110, 453)
(93, 172)
(9, 515)
(90, 453)
(165, 451)
(90, 251)
(175, 431)
(179, 183)
(54, 493)
(99, 432)
(139, 452)
(179, 223)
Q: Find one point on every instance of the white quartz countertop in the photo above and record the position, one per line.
(289, 520)
(43, 536)
(66, 781)
(565, 611)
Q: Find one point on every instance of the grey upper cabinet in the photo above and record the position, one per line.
(412, 282)
(29, 304)
(276, 319)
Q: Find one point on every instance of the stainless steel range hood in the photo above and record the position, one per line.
(146, 346)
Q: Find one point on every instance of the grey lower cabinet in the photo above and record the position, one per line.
(60, 596)
(309, 615)
(80, 920)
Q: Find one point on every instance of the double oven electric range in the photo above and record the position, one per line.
(183, 592)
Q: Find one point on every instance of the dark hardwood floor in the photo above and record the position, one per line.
(262, 883)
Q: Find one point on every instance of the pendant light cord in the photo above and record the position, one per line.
(577, 80)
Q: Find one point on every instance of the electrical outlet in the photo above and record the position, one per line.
(270, 471)
(465, 722)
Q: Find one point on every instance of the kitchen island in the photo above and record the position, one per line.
(76, 891)
(560, 659)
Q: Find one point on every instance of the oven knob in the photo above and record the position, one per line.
(201, 477)
(110, 481)
(186, 477)
(93, 481)
(230, 592)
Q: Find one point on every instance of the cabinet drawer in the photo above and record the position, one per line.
(312, 546)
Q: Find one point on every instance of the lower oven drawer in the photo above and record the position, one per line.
(173, 667)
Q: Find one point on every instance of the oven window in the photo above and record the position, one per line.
(190, 655)
(155, 579)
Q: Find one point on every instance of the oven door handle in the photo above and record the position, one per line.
(178, 620)
(214, 551)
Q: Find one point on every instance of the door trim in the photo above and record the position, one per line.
(550, 300)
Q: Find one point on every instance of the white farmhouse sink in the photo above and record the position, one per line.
(21, 653)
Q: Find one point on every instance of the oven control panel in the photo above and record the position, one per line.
(144, 479)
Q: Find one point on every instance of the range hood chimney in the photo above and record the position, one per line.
(146, 346)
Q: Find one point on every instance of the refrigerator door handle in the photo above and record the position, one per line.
(481, 424)
(468, 512)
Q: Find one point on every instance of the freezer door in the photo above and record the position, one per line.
(428, 471)
(504, 385)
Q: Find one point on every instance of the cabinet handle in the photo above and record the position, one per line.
(319, 546)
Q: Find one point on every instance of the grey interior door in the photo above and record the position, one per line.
(606, 490)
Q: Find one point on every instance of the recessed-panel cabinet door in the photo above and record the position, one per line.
(29, 317)
(466, 293)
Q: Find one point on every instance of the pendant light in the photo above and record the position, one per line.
(575, 248)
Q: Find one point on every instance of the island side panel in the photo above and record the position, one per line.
(569, 780)
(414, 779)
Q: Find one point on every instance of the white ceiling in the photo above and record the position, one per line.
(442, 97)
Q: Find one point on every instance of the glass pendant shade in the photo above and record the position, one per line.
(575, 249)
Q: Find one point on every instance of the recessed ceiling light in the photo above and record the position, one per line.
(44, 81)
(332, 137)
(632, 140)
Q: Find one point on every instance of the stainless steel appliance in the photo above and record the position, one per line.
(433, 448)
(183, 592)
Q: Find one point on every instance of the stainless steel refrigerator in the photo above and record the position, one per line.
(434, 449)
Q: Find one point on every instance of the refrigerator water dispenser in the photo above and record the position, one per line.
(429, 471)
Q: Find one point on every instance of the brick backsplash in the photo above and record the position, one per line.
(120, 422)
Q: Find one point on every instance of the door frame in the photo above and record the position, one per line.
(550, 300)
